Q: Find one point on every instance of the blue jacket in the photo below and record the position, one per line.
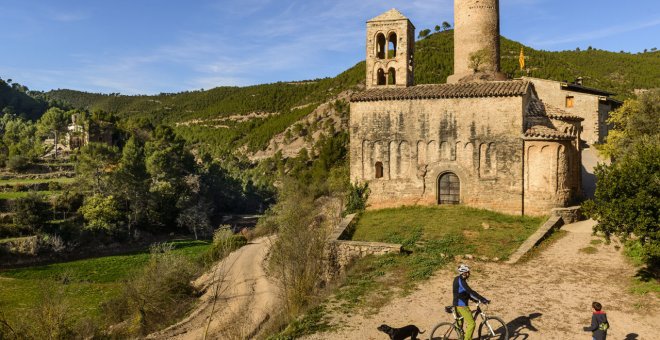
(463, 293)
(596, 319)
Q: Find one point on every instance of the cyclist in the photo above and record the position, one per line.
(462, 295)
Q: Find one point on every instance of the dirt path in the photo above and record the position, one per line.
(548, 297)
(245, 298)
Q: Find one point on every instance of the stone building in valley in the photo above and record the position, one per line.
(478, 140)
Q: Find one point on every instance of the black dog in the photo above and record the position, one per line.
(400, 333)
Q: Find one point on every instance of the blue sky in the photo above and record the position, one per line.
(152, 46)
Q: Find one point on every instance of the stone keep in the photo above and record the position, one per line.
(390, 49)
(476, 28)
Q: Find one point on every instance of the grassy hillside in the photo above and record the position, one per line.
(217, 102)
(620, 73)
(83, 285)
(616, 72)
(16, 99)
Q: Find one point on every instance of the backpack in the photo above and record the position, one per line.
(603, 326)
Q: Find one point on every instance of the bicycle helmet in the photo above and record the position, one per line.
(463, 268)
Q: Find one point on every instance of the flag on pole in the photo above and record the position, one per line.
(522, 59)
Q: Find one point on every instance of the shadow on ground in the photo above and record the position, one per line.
(520, 327)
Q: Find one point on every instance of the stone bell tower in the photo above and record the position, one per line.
(476, 41)
(390, 49)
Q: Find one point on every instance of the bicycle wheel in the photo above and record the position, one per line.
(493, 328)
(446, 331)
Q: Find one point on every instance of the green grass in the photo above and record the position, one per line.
(642, 285)
(20, 194)
(86, 284)
(589, 250)
(63, 180)
(314, 321)
(483, 232)
(431, 237)
(5, 240)
(646, 281)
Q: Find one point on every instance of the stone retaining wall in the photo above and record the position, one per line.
(570, 214)
(340, 253)
(553, 223)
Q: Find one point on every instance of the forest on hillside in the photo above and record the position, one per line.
(621, 73)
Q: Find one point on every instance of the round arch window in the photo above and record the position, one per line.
(379, 170)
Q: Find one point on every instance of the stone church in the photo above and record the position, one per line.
(479, 140)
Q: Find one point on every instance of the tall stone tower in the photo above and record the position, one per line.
(390, 50)
(476, 41)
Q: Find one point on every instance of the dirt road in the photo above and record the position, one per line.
(548, 297)
(245, 298)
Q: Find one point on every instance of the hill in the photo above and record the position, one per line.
(286, 103)
(17, 99)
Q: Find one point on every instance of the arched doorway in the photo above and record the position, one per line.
(449, 189)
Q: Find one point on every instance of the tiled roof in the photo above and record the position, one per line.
(392, 14)
(544, 132)
(584, 89)
(509, 88)
(539, 108)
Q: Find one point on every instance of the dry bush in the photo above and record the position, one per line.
(53, 242)
(156, 297)
(297, 255)
(51, 319)
(224, 242)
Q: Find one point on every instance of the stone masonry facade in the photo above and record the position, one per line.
(487, 144)
(594, 106)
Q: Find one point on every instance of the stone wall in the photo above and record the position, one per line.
(588, 106)
(552, 175)
(341, 253)
(569, 215)
(402, 32)
(551, 225)
(417, 141)
(476, 27)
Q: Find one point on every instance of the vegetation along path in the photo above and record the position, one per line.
(547, 297)
(238, 297)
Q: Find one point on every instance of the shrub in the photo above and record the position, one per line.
(51, 319)
(626, 201)
(224, 242)
(17, 163)
(31, 212)
(102, 213)
(357, 198)
(54, 186)
(297, 255)
(53, 242)
(157, 296)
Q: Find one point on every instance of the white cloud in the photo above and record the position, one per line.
(69, 16)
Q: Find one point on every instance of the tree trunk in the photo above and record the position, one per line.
(56, 135)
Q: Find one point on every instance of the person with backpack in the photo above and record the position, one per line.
(462, 296)
(599, 324)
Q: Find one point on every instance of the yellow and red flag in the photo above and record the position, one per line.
(522, 59)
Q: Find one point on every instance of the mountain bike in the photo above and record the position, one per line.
(491, 327)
